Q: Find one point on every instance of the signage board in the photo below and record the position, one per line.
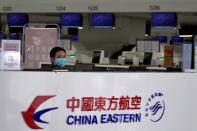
(10, 55)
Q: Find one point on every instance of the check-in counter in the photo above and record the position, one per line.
(86, 101)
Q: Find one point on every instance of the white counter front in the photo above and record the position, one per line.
(77, 101)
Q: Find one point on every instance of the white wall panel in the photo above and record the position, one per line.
(97, 5)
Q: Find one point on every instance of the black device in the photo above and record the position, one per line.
(147, 58)
(84, 67)
(96, 57)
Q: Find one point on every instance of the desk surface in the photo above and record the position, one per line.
(110, 67)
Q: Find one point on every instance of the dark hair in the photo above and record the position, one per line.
(55, 50)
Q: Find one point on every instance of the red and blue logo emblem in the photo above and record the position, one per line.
(31, 116)
(131, 105)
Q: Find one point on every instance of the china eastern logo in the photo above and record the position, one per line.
(100, 110)
(31, 116)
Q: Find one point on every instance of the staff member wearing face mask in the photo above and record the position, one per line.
(58, 57)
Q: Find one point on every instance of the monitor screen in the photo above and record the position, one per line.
(161, 39)
(164, 20)
(176, 40)
(17, 19)
(71, 20)
(102, 20)
(147, 58)
(96, 56)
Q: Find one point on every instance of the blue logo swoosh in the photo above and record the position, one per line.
(38, 114)
(156, 108)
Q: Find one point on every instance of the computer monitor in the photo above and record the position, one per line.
(164, 20)
(71, 20)
(147, 58)
(140, 56)
(102, 20)
(176, 40)
(98, 56)
(84, 67)
(17, 19)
